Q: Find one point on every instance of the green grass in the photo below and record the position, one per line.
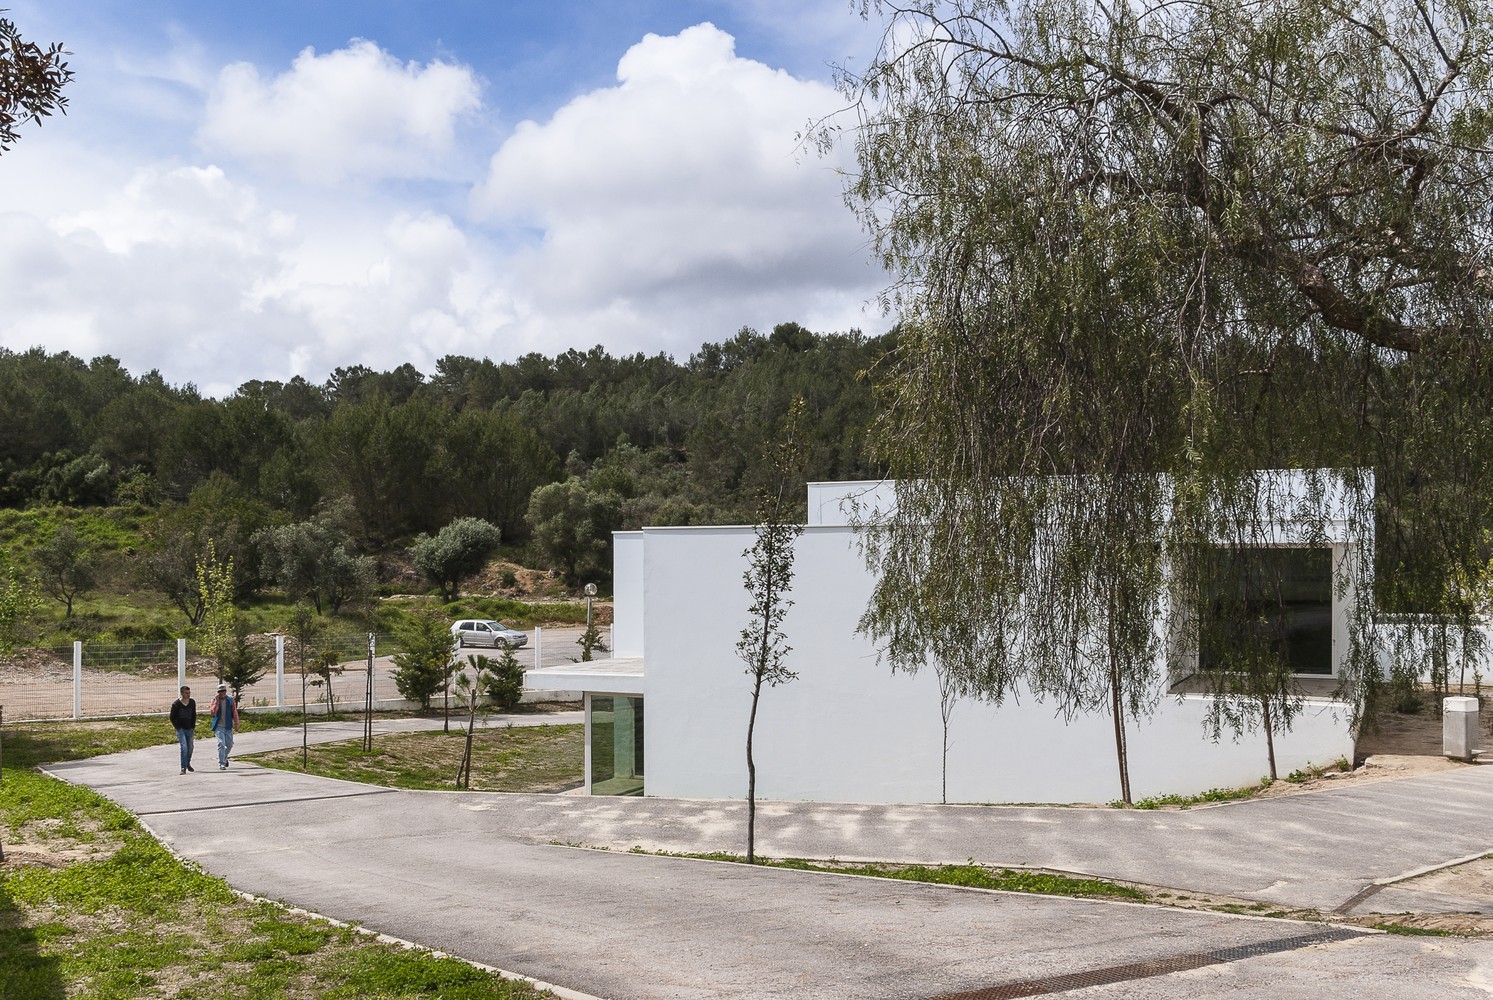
(30, 744)
(92, 906)
(970, 876)
(1242, 908)
(107, 529)
(1234, 794)
(1305, 774)
(1409, 931)
(1184, 801)
(522, 615)
(516, 759)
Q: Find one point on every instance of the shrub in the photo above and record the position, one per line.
(503, 681)
(424, 667)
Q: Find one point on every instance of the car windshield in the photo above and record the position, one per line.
(498, 626)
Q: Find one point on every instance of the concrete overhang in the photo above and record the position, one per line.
(621, 675)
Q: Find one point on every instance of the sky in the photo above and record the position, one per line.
(259, 191)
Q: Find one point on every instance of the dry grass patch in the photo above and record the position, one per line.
(510, 759)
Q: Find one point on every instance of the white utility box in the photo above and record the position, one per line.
(1459, 728)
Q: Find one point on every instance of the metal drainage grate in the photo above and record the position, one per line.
(1156, 967)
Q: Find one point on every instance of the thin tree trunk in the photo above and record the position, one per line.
(943, 795)
(1269, 736)
(946, 710)
(1117, 709)
(2, 773)
(752, 776)
(368, 702)
(466, 756)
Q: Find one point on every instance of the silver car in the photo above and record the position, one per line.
(486, 632)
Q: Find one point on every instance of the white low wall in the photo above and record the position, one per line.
(849, 730)
(1406, 640)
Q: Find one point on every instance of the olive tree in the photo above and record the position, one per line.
(456, 552)
(65, 567)
(314, 559)
(1141, 252)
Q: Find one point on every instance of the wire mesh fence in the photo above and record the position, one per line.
(98, 680)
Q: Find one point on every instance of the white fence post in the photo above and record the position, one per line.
(77, 679)
(181, 664)
(586, 714)
(538, 647)
(279, 670)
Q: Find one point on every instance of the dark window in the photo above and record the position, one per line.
(1268, 600)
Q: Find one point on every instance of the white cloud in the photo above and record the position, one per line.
(158, 274)
(667, 210)
(355, 112)
(679, 197)
(187, 271)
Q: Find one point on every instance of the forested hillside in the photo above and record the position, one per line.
(555, 452)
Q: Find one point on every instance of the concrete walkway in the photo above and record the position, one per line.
(483, 875)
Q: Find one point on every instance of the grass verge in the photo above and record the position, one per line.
(28, 744)
(1298, 777)
(507, 759)
(92, 906)
(970, 876)
(1411, 930)
(1184, 801)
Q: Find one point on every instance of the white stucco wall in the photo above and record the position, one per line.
(849, 730)
(840, 502)
(627, 593)
(1407, 640)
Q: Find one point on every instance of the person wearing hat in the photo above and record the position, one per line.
(224, 711)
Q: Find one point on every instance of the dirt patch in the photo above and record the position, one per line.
(25, 849)
(36, 666)
(77, 838)
(1474, 880)
(31, 665)
(1379, 767)
(17, 857)
(1413, 734)
(1397, 745)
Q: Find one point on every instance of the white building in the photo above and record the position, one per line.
(848, 729)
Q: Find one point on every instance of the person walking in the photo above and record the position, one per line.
(225, 720)
(184, 721)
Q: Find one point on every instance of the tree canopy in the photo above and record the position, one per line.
(1142, 251)
(652, 440)
(457, 551)
(31, 82)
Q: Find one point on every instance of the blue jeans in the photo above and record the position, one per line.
(186, 737)
(225, 745)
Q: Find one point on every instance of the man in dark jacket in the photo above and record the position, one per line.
(184, 721)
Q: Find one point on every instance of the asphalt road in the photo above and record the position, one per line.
(487, 877)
